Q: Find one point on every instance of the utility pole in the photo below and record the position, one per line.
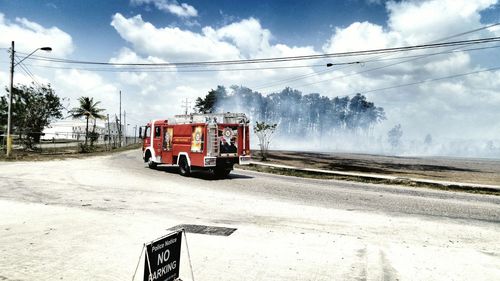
(186, 105)
(120, 123)
(118, 130)
(109, 133)
(11, 92)
(9, 114)
(125, 124)
(135, 133)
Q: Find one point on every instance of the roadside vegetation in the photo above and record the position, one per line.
(58, 154)
(264, 133)
(35, 107)
(88, 109)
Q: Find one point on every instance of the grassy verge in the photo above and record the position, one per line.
(37, 156)
(402, 181)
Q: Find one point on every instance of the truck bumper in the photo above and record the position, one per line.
(245, 160)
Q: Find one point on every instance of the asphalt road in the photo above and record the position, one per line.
(60, 218)
(396, 200)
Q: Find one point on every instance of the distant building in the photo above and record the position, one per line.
(111, 133)
(75, 130)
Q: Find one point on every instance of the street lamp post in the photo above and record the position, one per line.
(9, 113)
(135, 133)
(126, 129)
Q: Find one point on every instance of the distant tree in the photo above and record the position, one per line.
(394, 136)
(88, 109)
(93, 135)
(33, 108)
(362, 114)
(285, 108)
(244, 99)
(264, 132)
(208, 104)
(297, 114)
(428, 140)
(339, 114)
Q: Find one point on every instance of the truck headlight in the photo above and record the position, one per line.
(210, 161)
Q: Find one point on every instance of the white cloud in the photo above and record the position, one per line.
(458, 107)
(172, 42)
(182, 10)
(152, 93)
(420, 22)
(454, 63)
(29, 36)
(361, 36)
(247, 35)
(247, 39)
(74, 83)
(140, 79)
(244, 39)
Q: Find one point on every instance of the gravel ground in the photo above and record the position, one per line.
(87, 219)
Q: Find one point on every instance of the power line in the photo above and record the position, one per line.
(168, 70)
(375, 58)
(27, 71)
(293, 58)
(412, 58)
(303, 76)
(285, 59)
(428, 80)
(469, 32)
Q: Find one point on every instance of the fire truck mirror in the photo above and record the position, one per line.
(140, 132)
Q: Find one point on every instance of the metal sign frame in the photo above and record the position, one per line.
(146, 256)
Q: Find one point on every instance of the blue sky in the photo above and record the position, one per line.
(292, 22)
(152, 31)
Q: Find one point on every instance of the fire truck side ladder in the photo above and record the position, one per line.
(213, 140)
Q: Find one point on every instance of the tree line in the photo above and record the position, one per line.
(295, 113)
(35, 107)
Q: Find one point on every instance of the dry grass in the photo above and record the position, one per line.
(404, 182)
(477, 171)
(61, 154)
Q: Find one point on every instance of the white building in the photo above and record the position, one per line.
(73, 130)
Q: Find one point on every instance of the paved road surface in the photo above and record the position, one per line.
(86, 219)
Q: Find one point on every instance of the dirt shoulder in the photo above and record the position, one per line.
(37, 156)
(475, 171)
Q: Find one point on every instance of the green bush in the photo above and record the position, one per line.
(85, 148)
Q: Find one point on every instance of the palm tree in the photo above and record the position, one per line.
(88, 109)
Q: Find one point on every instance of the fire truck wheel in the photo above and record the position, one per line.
(184, 168)
(222, 172)
(151, 164)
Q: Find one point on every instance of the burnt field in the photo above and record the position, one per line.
(479, 171)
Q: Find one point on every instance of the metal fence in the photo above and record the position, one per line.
(64, 142)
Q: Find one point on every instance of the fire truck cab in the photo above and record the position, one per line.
(197, 141)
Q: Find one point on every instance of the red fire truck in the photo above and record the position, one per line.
(197, 141)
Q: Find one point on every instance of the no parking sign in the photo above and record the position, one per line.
(163, 258)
